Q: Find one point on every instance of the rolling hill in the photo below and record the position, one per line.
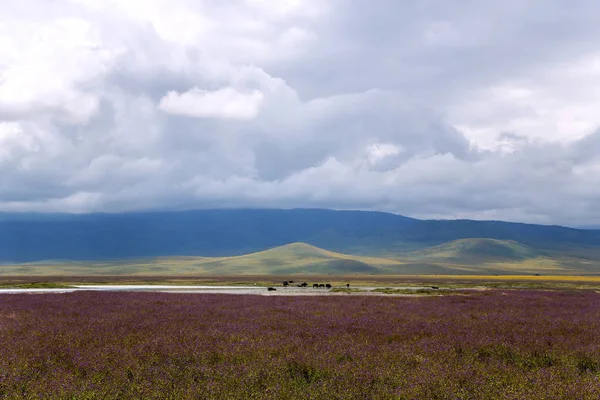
(493, 256)
(294, 258)
(462, 257)
(481, 249)
(297, 258)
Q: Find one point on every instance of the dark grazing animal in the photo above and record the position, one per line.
(270, 289)
(285, 284)
(321, 285)
(435, 287)
(315, 286)
(328, 286)
(347, 286)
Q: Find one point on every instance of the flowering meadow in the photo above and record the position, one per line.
(487, 345)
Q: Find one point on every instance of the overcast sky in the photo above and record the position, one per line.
(426, 108)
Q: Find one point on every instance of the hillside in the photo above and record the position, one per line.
(463, 257)
(294, 258)
(297, 258)
(480, 249)
(225, 233)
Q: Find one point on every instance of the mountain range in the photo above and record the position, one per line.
(362, 240)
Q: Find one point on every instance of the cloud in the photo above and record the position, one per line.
(430, 109)
(222, 103)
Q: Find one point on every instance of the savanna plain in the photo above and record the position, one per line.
(500, 342)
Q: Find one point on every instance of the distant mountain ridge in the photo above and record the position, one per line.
(36, 237)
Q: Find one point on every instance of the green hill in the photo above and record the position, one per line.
(468, 250)
(459, 257)
(295, 258)
(492, 256)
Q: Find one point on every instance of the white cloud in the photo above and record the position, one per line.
(379, 151)
(222, 103)
(48, 69)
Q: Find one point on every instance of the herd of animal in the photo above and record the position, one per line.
(304, 284)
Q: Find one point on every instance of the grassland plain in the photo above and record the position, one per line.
(357, 281)
(487, 345)
(461, 257)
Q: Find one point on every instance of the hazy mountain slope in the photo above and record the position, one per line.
(34, 237)
(30, 237)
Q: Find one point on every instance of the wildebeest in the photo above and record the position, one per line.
(303, 284)
(435, 287)
(270, 289)
(328, 286)
(347, 286)
(315, 285)
(285, 284)
(291, 281)
(321, 285)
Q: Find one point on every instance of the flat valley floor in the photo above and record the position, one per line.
(495, 343)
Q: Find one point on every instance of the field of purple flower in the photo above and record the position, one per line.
(89, 345)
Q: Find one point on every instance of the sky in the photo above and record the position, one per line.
(428, 108)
